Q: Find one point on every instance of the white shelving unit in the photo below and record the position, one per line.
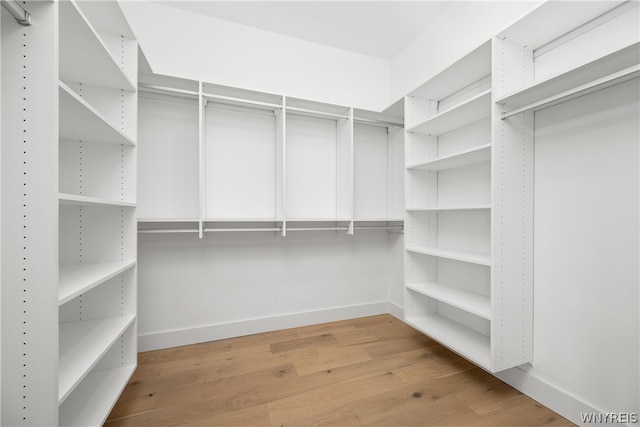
(448, 225)
(470, 171)
(86, 220)
(532, 71)
(296, 165)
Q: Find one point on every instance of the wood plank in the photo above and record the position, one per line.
(252, 416)
(523, 411)
(479, 390)
(431, 362)
(316, 340)
(330, 358)
(341, 416)
(412, 405)
(330, 397)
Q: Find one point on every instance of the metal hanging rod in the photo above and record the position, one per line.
(167, 230)
(21, 16)
(382, 227)
(207, 230)
(318, 229)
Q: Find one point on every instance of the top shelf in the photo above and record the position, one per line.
(605, 71)
(471, 68)
(84, 55)
(526, 31)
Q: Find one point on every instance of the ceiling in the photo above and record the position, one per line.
(373, 28)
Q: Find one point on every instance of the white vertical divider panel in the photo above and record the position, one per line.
(512, 213)
(282, 171)
(29, 218)
(344, 170)
(279, 165)
(0, 218)
(202, 179)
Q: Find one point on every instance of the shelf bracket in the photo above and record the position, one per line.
(21, 16)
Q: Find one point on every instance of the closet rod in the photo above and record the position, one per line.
(585, 89)
(144, 86)
(274, 229)
(382, 227)
(317, 113)
(241, 100)
(21, 16)
(242, 229)
(378, 122)
(318, 229)
(167, 230)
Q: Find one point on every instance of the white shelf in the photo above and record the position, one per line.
(450, 208)
(84, 57)
(463, 158)
(76, 279)
(79, 121)
(76, 200)
(458, 255)
(471, 302)
(242, 220)
(611, 69)
(168, 220)
(317, 219)
(94, 398)
(464, 341)
(541, 26)
(378, 219)
(82, 345)
(470, 68)
(470, 111)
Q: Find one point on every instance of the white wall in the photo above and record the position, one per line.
(586, 249)
(188, 45)
(232, 284)
(461, 27)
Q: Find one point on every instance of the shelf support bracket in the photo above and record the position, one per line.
(21, 16)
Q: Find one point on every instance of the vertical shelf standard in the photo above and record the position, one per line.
(75, 218)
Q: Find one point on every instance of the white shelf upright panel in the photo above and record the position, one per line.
(29, 218)
(70, 224)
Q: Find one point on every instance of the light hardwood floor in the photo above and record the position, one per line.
(373, 371)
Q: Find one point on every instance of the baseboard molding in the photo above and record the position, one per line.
(175, 338)
(551, 396)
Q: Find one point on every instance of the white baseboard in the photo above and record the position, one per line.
(549, 395)
(199, 334)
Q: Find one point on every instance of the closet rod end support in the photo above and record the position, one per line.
(21, 16)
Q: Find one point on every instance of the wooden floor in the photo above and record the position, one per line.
(373, 371)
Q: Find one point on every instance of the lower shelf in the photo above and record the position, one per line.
(469, 344)
(82, 345)
(474, 303)
(455, 254)
(93, 400)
